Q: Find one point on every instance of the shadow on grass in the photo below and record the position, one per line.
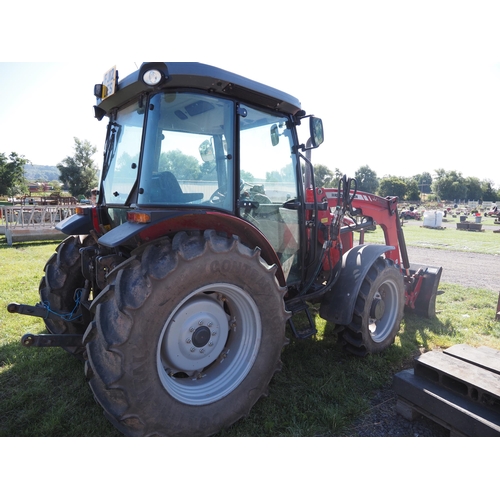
(320, 391)
(43, 392)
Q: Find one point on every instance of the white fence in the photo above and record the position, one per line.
(32, 222)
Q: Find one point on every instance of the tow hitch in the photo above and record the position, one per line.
(51, 340)
(39, 311)
(45, 340)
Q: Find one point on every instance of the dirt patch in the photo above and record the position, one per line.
(467, 269)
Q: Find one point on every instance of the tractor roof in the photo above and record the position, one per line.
(191, 75)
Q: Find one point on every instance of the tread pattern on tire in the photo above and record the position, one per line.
(62, 278)
(353, 334)
(114, 321)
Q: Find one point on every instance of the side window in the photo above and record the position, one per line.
(123, 155)
(266, 159)
(268, 181)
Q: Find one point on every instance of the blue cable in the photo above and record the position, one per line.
(67, 316)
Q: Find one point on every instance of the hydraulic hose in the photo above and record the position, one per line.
(344, 201)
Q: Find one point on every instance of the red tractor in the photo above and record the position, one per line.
(207, 238)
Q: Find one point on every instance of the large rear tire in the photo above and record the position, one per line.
(187, 338)
(59, 287)
(378, 310)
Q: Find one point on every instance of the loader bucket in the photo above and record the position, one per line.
(425, 304)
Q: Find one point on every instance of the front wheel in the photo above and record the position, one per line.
(187, 338)
(378, 310)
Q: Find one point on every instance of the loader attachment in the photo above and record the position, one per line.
(421, 282)
(422, 289)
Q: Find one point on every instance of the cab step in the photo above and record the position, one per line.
(307, 324)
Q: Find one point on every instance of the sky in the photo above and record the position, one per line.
(404, 87)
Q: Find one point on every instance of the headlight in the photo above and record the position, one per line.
(152, 77)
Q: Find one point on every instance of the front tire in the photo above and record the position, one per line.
(187, 338)
(378, 310)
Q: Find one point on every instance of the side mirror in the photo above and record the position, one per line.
(206, 151)
(275, 135)
(316, 131)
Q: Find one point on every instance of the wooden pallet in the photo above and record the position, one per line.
(458, 388)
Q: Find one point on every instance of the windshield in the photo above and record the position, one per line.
(122, 154)
(188, 154)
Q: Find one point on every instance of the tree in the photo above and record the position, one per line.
(247, 176)
(412, 190)
(78, 172)
(55, 186)
(392, 186)
(286, 174)
(489, 192)
(181, 165)
(449, 185)
(336, 178)
(322, 175)
(424, 181)
(367, 179)
(474, 188)
(12, 174)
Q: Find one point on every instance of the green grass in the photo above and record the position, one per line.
(321, 390)
(42, 391)
(449, 238)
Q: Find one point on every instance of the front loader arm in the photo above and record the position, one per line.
(364, 210)
(383, 212)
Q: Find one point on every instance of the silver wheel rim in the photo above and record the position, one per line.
(383, 311)
(209, 344)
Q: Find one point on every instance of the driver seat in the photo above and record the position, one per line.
(166, 188)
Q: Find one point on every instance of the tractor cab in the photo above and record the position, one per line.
(185, 138)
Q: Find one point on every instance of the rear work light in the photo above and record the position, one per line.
(152, 77)
(138, 217)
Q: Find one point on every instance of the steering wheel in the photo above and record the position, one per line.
(217, 197)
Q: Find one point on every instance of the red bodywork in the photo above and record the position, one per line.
(420, 283)
(383, 211)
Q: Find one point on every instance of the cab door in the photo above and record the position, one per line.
(268, 184)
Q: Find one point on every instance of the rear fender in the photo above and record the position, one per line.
(337, 305)
(167, 224)
(81, 223)
(76, 224)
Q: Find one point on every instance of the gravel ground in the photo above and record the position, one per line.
(465, 269)
(460, 268)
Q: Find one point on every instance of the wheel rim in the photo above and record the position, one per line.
(384, 311)
(209, 344)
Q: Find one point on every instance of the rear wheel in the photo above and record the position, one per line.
(378, 310)
(59, 288)
(187, 338)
